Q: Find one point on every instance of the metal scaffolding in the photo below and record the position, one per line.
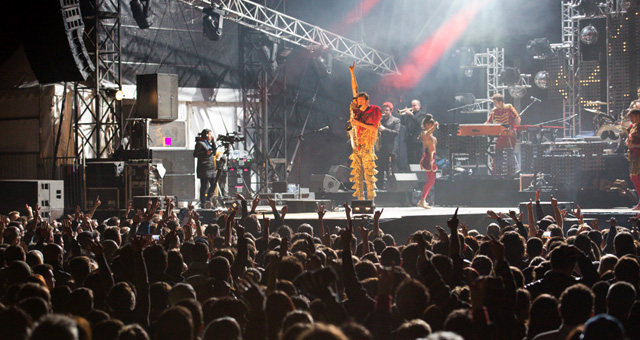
(287, 28)
(97, 124)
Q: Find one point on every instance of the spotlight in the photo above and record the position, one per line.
(323, 61)
(589, 35)
(509, 76)
(587, 7)
(141, 13)
(468, 72)
(542, 79)
(362, 206)
(119, 95)
(629, 4)
(517, 91)
(212, 23)
(539, 48)
(465, 99)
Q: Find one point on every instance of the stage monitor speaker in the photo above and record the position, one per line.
(180, 185)
(415, 168)
(402, 182)
(340, 172)
(176, 161)
(157, 95)
(53, 41)
(324, 183)
(307, 205)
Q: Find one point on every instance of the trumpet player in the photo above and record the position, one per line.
(411, 119)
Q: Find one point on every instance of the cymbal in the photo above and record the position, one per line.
(594, 111)
(597, 102)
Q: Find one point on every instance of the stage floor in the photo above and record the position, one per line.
(401, 222)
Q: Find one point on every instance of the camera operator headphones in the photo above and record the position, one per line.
(204, 133)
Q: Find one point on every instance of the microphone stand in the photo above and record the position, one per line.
(300, 139)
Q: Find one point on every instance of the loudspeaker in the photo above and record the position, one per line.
(402, 182)
(176, 161)
(110, 198)
(157, 95)
(107, 174)
(415, 168)
(53, 41)
(340, 172)
(180, 185)
(279, 186)
(167, 134)
(324, 183)
(49, 194)
(307, 206)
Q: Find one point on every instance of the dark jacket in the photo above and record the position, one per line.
(206, 164)
(389, 137)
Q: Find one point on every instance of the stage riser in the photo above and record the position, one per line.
(383, 198)
(476, 192)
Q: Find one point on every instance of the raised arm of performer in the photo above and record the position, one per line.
(354, 83)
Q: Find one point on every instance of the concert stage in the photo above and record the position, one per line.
(401, 222)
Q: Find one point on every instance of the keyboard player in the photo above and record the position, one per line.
(504, 114)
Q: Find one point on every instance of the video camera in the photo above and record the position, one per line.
(230, 138)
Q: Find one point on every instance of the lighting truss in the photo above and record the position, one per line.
(298, 32)
(493, 61)
(97, 125)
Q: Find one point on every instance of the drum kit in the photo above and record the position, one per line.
(611, 130)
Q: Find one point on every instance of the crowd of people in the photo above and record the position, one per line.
(168, 275)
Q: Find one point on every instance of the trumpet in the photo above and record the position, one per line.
(403, 112)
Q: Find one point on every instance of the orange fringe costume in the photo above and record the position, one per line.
(363, 155)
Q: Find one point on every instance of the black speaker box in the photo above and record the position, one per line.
(402, 182)
(105, 174)
(340, 172)
(415, 168)
(176, 161)
(182, 186)
(157, 95)
(324, 183)
(53, 41)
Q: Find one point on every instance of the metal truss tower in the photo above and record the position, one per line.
(264, 104)
(97, 125)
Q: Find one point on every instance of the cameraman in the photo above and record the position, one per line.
(205, 152)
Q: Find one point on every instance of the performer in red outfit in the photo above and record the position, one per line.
(365, 120)
(633, 143)
(428, 161)
(504, 114)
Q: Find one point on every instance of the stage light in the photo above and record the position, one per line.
(212, 23)
(517, 91)
(468, 72)
(322, 61)
(539, 48)
(587, 7)
(589, 35)
(465, 99)
(362, 206)
(629, 4)
(119, 95)
(509, 76)
(542, 79)
(142, 13)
